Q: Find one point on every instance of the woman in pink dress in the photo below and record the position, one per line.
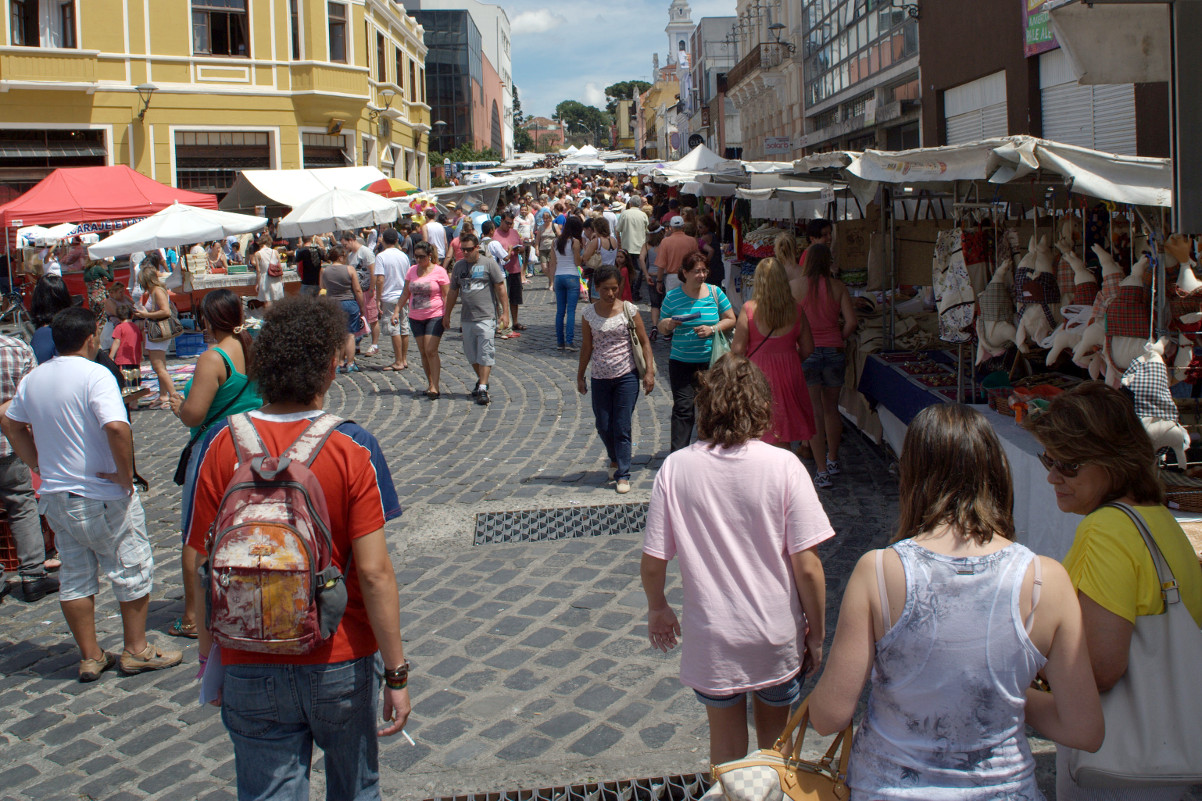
(773, 333)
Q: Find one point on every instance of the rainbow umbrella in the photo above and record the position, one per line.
(391, 187)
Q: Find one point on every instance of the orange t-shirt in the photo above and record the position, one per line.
(360, 497)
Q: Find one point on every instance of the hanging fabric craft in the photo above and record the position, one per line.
(954, 295)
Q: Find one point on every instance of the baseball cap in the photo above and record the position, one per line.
(676, 222)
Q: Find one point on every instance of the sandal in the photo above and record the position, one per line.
(181, 629)
(519, 327)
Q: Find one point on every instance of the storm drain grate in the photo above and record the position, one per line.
(688, 787)
(535, 525)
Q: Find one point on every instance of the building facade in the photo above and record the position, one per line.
(189, 98)
(487, 62)
(861, 71)
(765, 85)
(546, 133)
(1024, 84)
(712, 117)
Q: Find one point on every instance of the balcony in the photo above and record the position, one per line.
(333, 79)
(763, 56)
(49, 65)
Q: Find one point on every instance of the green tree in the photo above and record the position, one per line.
(621, 91)
(583, 120)
(523, 142)
(519, 118)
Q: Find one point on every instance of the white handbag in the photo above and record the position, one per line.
(1154, 714)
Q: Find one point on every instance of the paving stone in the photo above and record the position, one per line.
(52, 786)
(105, 785)
(98, 765)
(559, 658)
(598, 698)
(449, 666)
(499, 730)
(509, 659)
(657, 736)
(562, 725)
(596, 741)
(18, 775)
(543, 637)
(34, 724)
(143, 742)
(435, 704)
(170, 775)
(510, 625)
(527, 747)
(444, 731)
(474, 682)
(630, 714)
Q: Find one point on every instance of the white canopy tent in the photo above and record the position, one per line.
(290, 188)
(336, 210)
(700, 165)
(177, 224)
(39, 236)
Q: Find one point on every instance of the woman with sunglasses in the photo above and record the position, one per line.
(1097, 452)
(426, 288)
(700, 310)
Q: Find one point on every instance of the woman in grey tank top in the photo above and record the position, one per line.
(950, 624)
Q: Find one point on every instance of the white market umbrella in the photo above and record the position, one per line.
(39, 236)
(177, 224)
(336, 210)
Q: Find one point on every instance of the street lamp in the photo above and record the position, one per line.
(145, 90)
(775, 29)
(387, 96)
(439, 125)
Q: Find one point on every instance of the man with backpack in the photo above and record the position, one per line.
(291, 504)
(361, 258)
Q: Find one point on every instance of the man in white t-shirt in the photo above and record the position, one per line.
(69, 424)
(391, 267)
(435, 234)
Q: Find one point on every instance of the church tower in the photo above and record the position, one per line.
(680, 26)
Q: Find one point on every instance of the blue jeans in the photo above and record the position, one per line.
(275, 713)
(613, 406)
(567, 293)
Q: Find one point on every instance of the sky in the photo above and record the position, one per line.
(572, 50)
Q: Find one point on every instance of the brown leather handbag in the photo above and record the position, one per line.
(772, 772)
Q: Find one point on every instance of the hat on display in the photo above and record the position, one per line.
(676, 222)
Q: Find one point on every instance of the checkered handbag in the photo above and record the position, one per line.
(776, 774)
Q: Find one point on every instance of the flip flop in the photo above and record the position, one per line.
(180, 629)
(391, 369)
(519, 327)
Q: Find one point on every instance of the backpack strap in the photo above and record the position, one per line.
(247, 442)
(306, 447)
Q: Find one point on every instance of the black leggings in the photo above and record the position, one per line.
(681, 377)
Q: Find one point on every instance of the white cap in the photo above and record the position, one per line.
(676, 222)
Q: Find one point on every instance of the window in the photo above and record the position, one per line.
(24, 23)
(337, 15)
(294, 17)
(208, 161)
(219, 28)
(381, 63)
(412, 82)
(422, 83)
(66, 24)
(400, 69)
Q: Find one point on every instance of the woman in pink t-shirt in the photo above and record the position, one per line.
(754, 589)
(426, 288)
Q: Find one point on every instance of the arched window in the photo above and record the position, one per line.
(495, 139)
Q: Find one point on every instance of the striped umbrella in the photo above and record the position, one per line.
(391, 187)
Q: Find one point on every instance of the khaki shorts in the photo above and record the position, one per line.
(401, 329)
(100, 536)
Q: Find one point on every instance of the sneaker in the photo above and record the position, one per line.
(482, 397)
(571, 347)
(476, 389)
(823, 481)
(35, 589)
(90, 669)
(653, 334)
(372, 351)
(832, 467)
(153, 658)
(623, 487)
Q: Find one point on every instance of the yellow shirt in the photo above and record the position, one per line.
(1110, 563)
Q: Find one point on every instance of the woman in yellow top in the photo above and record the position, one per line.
(1096, 452)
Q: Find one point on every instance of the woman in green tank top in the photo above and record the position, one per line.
(218, 389)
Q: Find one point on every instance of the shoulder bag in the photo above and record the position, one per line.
(165, 329)
(1154, 714)
(185, 456)
(274, 269)
(771, 774)
(721, 342)
(636, 347)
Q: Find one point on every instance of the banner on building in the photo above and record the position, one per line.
(778, 144)
(1037, 26)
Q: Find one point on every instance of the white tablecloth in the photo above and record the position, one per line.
(207, 281)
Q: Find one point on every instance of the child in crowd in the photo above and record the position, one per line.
(126, 351)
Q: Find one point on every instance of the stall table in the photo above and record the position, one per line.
(244, 284)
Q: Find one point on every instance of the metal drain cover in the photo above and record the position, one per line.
(536, 525)
(688, 787)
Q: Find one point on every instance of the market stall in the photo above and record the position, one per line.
(275, 191)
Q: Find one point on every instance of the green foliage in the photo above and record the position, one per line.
(523, 142)
(519, 119)
(465, 152)
(583, 120)
(622, 91)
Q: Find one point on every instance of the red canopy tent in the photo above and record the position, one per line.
(95, 194)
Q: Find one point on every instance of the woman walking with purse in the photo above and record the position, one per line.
(701, 312)
(426, 288)
(154, 305)
(609, 343)
(341, 284)
(953, 622)
(1097, 453)
(754, 588)
(219, 388)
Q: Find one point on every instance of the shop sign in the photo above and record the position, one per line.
(1037, 26)
(778, 144)
(105, 225)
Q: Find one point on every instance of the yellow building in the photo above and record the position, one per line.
(655, 119)
(189, 91)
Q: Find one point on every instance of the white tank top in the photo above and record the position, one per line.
(565, 263)
(609, 256)
(946, 713)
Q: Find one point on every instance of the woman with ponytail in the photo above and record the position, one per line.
(218, 389)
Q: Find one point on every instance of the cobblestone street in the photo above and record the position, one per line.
(531, 665)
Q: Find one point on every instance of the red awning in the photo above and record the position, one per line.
(92, 194)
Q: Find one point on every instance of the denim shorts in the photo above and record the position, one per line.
(426, 328)
(354, 317)
(109, 536)
(825, 367)
(784, 694)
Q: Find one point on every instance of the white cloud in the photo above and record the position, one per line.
(593, 95)
(533, 22)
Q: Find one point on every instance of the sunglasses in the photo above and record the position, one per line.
(1066, 469)
(469, 250)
